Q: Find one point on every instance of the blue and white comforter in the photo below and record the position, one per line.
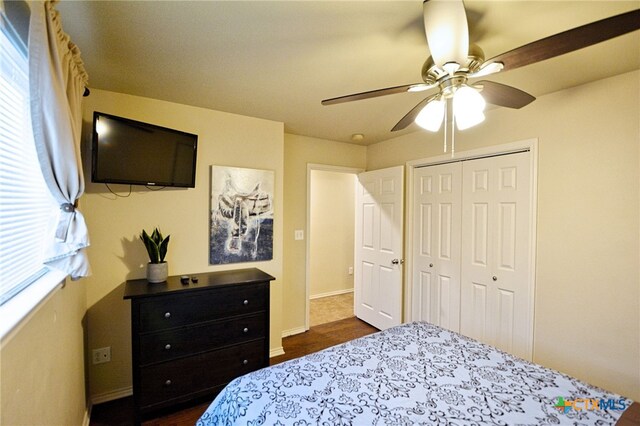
(415, 373)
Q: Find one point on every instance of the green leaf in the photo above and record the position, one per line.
(155, 244)
(156, 236)
(163, 248)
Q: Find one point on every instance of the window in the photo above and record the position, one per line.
(26, 205)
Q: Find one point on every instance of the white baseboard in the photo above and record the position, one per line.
(276, 352)
(111, 395)
(331, 293)
(292, 331)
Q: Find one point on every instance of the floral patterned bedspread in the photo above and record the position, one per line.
(415, 373)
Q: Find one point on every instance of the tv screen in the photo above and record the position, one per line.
(131, 152)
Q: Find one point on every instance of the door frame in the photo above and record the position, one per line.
(530, 145)
(307, 273)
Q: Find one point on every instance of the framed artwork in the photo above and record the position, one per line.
(241, 224)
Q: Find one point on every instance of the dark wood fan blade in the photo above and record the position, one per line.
(411, 115)
(570, 40)
(503, 95)
(370, 94)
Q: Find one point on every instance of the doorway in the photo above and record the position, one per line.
(330, 243)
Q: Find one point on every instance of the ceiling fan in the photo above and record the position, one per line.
(454, 62)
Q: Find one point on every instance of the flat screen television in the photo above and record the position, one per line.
(130, 152)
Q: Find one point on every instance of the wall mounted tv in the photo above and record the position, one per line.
(130, 152)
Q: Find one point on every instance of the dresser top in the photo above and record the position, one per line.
(142, 288)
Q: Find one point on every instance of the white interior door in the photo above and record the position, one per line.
(496, 296)
(378, 254)
(436, 245)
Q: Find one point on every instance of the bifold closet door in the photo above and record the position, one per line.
(496, 296)
(436, 245)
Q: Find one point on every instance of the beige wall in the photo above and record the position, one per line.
(587, 302)
(300, 151)
(42, 363)
(116, 254)
(331, 233)
(587, 320)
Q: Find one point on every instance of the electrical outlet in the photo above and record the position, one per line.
(101, 355)
(298, 234)
(350, 270)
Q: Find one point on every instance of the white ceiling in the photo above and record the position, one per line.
(278, 60)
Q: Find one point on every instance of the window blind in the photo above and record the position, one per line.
(26, 206)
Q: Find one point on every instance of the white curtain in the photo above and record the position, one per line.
(57, 81)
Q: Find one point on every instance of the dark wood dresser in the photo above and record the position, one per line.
(190, 340)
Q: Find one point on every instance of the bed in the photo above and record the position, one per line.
(416, 373)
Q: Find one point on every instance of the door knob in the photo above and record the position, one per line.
(494, 278)
(431, 265)
(397, 261)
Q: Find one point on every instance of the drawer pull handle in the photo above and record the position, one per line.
(167, 314)
(245, 362)
(167, 346)
(246, 330)
(167, 383)
(246, 302)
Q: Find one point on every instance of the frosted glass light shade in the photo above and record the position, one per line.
(469, 120)
(430, 118)
(468, 107)
(445, 23)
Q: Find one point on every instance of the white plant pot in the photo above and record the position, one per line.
(157, 272)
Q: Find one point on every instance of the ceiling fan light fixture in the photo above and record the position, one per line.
(430, 118)
(468, 107)
(469, 120)
(445, 24)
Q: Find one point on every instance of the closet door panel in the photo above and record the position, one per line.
(480, 234)
(495, 274)
(436, 258)
(477, 311)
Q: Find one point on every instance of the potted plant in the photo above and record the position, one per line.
(156, 245)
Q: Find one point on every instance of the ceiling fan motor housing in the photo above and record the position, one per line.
(448, 86)
(432, 73)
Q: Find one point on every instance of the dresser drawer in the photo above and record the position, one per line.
(179, 342)
(162, 383)
(159, 313)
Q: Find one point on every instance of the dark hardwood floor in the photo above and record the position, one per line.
(120, 412)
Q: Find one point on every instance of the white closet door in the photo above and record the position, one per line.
(436, 245)
(496, 294)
